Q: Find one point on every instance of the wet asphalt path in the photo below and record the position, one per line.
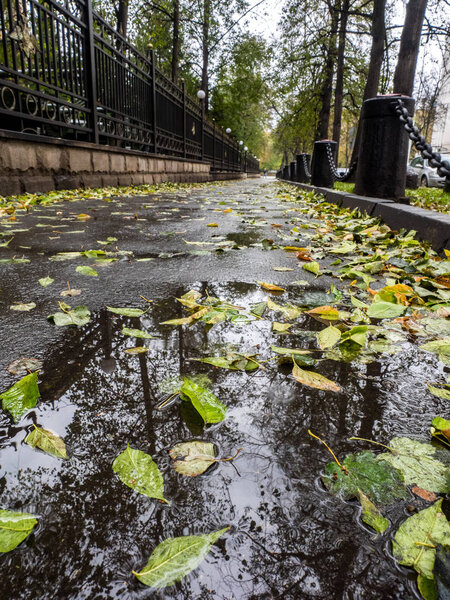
(152, 250)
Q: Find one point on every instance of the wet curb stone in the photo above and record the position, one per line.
(430, 225)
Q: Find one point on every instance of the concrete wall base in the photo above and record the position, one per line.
(430, 225)
(32, 166)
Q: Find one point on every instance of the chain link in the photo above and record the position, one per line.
(333, 169)
(425, 149)
(305, 166)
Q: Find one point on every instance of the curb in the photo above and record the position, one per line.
(430, 226)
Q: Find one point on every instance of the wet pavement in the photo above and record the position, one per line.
(289, 537)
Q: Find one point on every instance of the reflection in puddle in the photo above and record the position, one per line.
(289, 538)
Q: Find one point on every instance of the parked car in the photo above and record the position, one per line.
(428, 176)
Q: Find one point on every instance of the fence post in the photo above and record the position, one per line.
(286, 172)
(321, 174)
(183, 87)
(202, 102)
(91, 70)
(383, 153)
(292, 171)
(223, 151)
(155, 142)
(303, 158)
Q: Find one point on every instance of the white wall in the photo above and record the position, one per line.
(440, 138)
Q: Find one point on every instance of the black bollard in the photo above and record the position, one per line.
(292, 171)
(303, 172)
(286, 172)
(384, 148)
(321, 173)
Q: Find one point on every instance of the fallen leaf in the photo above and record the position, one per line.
(271, 287)
(314, 380)
(23, 365)
(193, 458)
(23, 307)
(424, 494)
(174, 558)
(14, 528)
(46, 281)
(47, 441)
(371, 515)
(138, 471)
(21, 397)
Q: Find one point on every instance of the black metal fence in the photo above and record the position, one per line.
(64, 72)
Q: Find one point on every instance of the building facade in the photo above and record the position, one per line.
(440, 138)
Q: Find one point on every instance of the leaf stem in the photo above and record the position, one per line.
(231, 457)
(167, 400)
(372, 442)
(144, 298)
(329, 450)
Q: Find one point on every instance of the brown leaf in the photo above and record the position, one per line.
(424, 494)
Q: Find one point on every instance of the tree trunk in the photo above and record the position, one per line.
(175, 40)
(378, 31)
(122, 18)
(327, 84)
(339, 90)
(205, 44)
(409, 47)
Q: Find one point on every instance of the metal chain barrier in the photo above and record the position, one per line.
(334, 170)
(305, 166)
(425, 149)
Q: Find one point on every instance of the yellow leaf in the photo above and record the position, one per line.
(295, 249)
(271, 287)
(212, 225)
(228, 210)
(83, 217)
(326, 312)
(314, 380)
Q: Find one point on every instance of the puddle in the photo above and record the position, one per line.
(289, 537)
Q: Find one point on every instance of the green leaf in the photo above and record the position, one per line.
(46, 281)
(137, 333)
(127, 312)
(312, 267)
(21, 397)
(385, 310)
(47, 441)
(233, 360)
(85, 270)
(440, 429)
(174, 558)
(415, 541)
(377, 480)
(440, 347)
(280, 327)
(314, 380)
(355, 335)
(280, 350)
(137, 350)
(440, 392)
(427, 587)
(328, 337)
(371, 515)
(195, 457)
(205, 403)
(137, 470)
(14, 528)
(417, 463)
(77, 316)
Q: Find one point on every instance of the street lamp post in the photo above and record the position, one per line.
(201, 96)
(245, 159)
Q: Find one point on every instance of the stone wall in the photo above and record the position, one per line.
(33, 166)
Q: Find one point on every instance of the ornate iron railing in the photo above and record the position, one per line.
(66, 73)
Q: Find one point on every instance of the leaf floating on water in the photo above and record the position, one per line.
(371, 515)
(127, 312)
(271, 287)
(443, 392)
(314, 380)
(137, 350)
(233, 360)
(22, 365)
(47, 441)
(46, 281)
(138, 471)
(328, 337)
(196, 457)
(205, 403)
(427, 587)
(419, 464)
(212, 225)
(325, 312)
(21, 397)
(174, 558)
(377, 480)
(137, 333)
(78, 316)
(85, 270)
(415, 542)
(385, 310)
(424, 494)
(19, 306)
(14, 528)
(280, 327)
